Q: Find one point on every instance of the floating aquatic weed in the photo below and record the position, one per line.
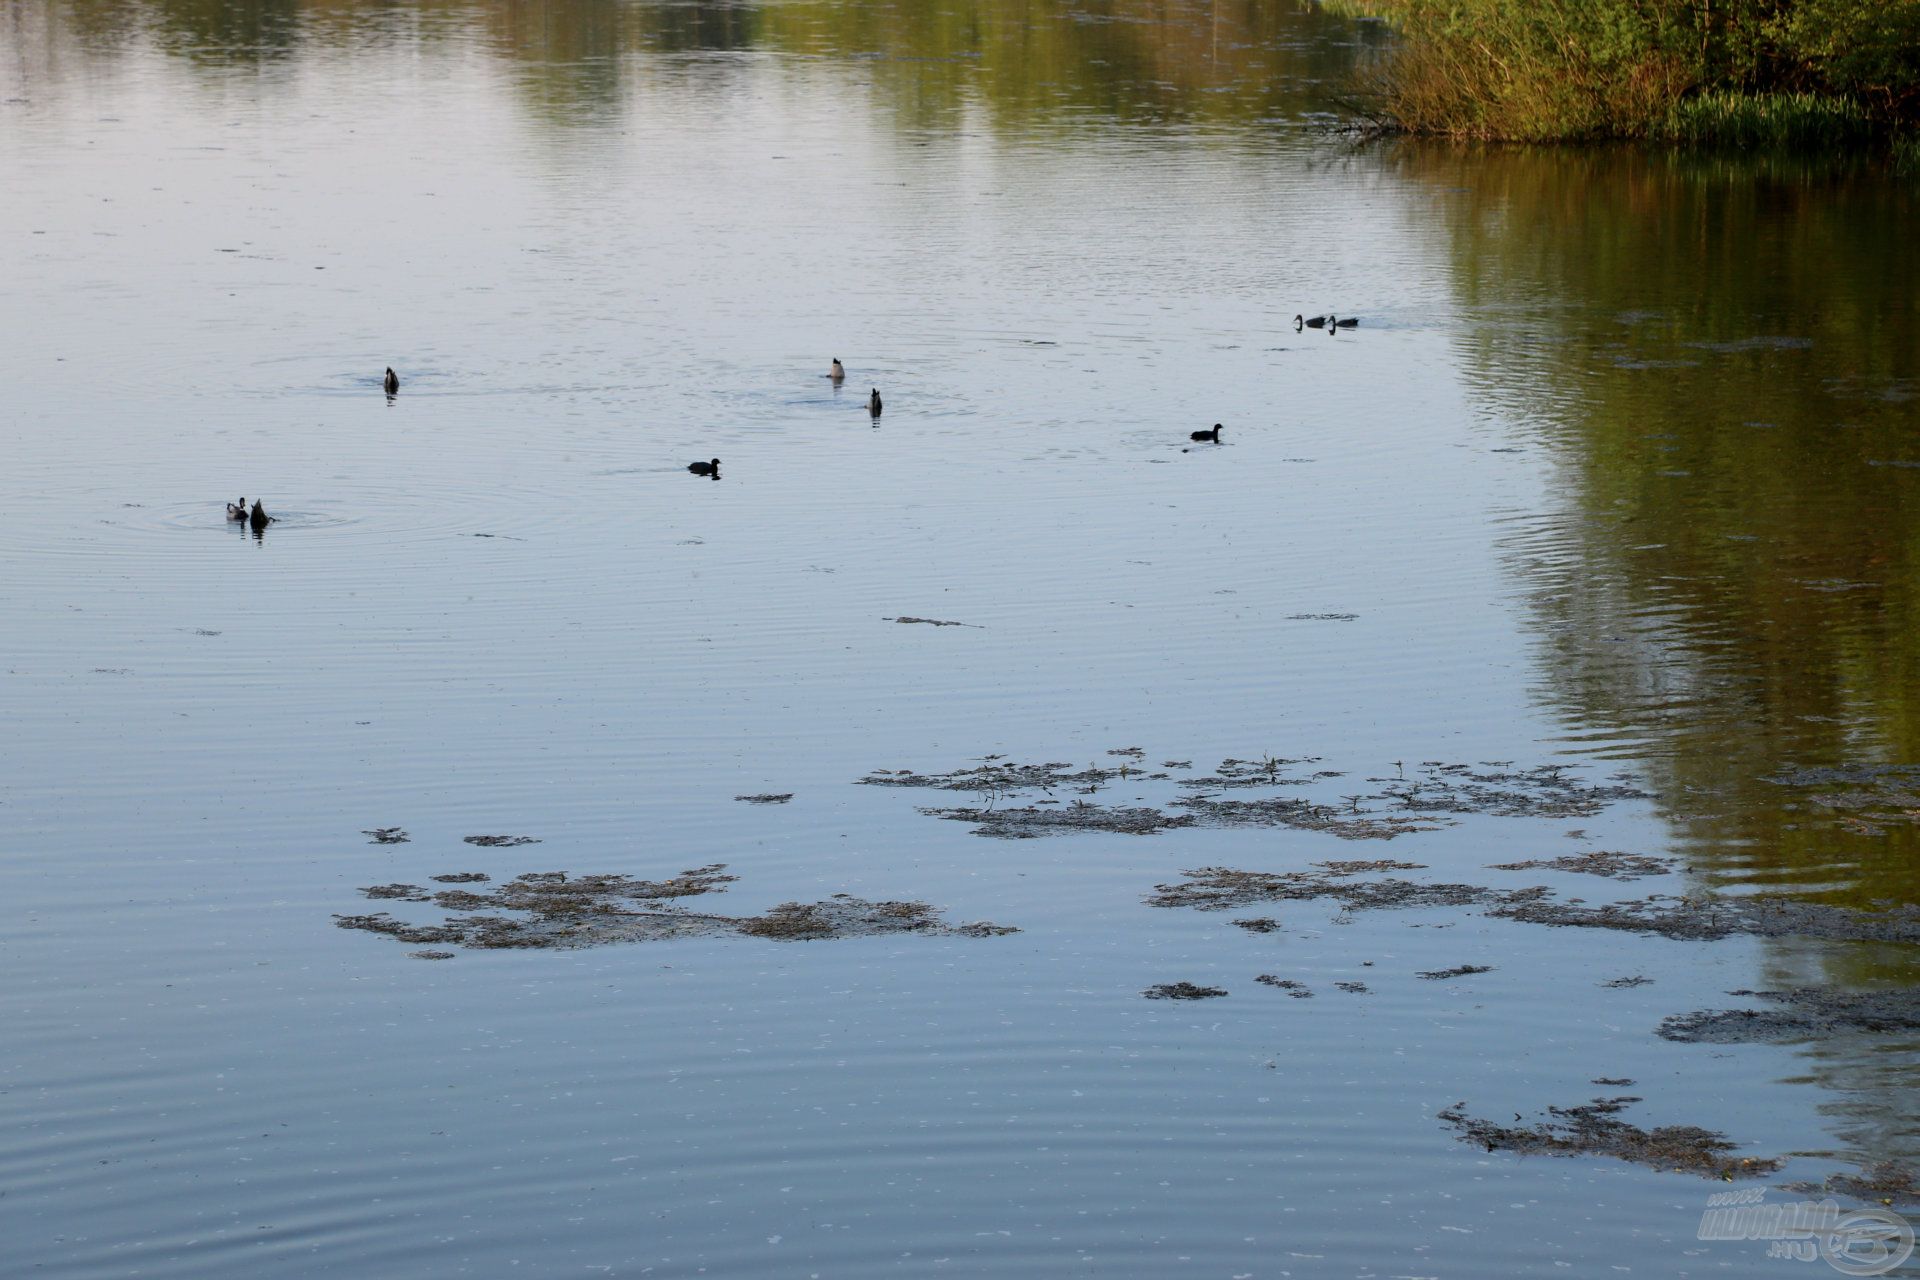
(1614, 866)
(401, 892)
(500, 842)
(1402, 805)
(1355, 988)
(1003, 777)
(1182, 991)
(550, 909)
(1636, 980)
(1301, 815)
(1257, 924)
(767, 798)
(1806, 1013)
(387, 835)
(1889, 1182)
(1458, 971)
(1866, 799)
(1264, 772)
(1361, 868)
(1032, 822)
(1708, 918)
(1546, 791)
(463, 877)
(935, 622)
(1298, 990)
(1594, 1129)
(1222, 888)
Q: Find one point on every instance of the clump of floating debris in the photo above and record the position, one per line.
(1614, 866)
(550, 909)
(1865, 799)
(1595, 1129)
(1008, 804)
(1182, 991)
(1804, 1013)
(1223, 888)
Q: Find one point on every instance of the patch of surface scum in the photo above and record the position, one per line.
(554, 910)
(1595, 1129)
(1395, 806)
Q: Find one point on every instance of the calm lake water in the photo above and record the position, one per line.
(1617, 474)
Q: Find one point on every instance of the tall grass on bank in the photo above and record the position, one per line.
(1772, 122)
(1786, 73)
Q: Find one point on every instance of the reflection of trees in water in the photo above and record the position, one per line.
(1870, 1083)
(1721, 357)
(1029, 63)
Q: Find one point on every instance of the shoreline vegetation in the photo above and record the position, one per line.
(1778, 74)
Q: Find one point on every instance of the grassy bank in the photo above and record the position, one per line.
(1795, 73)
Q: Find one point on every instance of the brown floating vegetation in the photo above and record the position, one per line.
(1614, 866)
(1458, 971)
(387, 835)
(1888, 1182)
(1805, 1013)
(500, 842)
(1033, 821)
(1395, 807)
(1298, 990)
(1706, 919)
(402, 892)
(1696, 918)
(1867, 800)
(1222, 888)
(935, 622)
(1595, 1129)
(767, 797)
(1182, 991)
(551, 909)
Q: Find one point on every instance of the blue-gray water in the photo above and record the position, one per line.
(599, 242)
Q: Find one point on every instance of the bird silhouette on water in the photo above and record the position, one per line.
(873, 403)
(1317, 322)
(258, 518)
(1212, 436)
(705, 468)
(237, 511)
(839, 371)
(392, 381)
(1348, 323)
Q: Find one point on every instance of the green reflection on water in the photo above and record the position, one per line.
(1026, 63)
(1722, 358)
